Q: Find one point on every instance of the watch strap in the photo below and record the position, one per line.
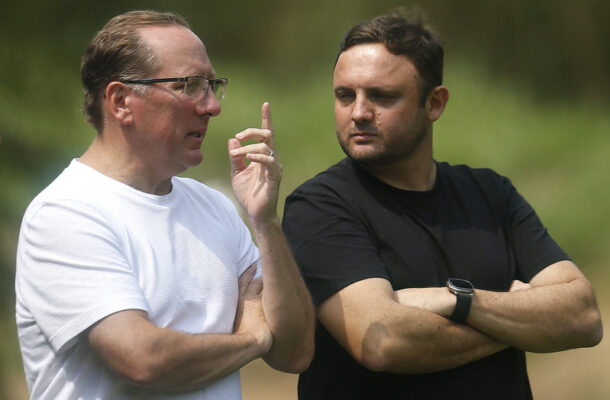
(462, 307)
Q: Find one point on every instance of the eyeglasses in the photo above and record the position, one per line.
(195, 87)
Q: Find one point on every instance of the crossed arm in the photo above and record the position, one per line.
(165, 359)
(276, 322)
(556, 311)
(406, 331)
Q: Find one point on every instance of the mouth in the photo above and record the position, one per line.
(198, 135)
(363, 135)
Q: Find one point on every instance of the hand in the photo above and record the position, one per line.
(256, 185)
(517, 286)
(434, 299)
(249, 317)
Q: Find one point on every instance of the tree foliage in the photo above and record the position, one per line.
(540, 60)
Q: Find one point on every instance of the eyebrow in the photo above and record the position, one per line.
(369, 90)
(341, 88)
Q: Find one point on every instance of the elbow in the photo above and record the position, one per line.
(585, 331)
(301, 363)
(298, 362)
(591, 330)
(588, 327)
(374, 359)
(140, 370)
(294, 347)
(304, 360)
(384, 350)
(377, 350)
(306, 351)
(142, 377)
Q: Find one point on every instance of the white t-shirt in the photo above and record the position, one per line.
(90, 246)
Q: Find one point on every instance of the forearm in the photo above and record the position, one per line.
(382, 334)
(426, 343)
(166, 359)
(286, 302)
(541, 319)
(555, 311)
(200, 360)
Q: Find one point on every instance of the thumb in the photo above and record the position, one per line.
(238, 163)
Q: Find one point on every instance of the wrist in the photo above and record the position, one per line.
(259, 343)
(464, 292)
(265, 224)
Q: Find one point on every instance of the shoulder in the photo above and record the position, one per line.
(339, 180)
(485, 178)
(463, 171)
(334, 192)
(71, 189)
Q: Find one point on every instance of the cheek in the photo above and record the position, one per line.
(395, 119)
(342, 117)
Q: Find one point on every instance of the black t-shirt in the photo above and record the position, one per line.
(344, 225)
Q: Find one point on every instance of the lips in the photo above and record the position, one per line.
(362, 136)
(198, 135)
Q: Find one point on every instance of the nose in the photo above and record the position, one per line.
(362, 110)
(208, 104)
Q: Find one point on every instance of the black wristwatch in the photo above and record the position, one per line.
(463, 291)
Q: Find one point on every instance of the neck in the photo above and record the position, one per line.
(108, 159)
(415, 171)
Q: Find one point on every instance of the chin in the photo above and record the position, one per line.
(374, 159)
(363, 155)
(194, 159)
(195, 163)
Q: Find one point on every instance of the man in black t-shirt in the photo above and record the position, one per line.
(430, 280)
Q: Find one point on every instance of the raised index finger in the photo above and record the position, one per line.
(266, 114)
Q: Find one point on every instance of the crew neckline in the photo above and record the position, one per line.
(80, 166)
(425, 194)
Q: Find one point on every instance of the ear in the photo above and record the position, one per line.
(436, 102)
(117, 103)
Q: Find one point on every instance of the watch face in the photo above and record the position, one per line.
(460, 285)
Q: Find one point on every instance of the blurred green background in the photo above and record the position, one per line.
(529, 83)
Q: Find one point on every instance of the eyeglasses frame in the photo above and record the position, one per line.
(223, 82)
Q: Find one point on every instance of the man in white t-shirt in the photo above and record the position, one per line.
(135, 283)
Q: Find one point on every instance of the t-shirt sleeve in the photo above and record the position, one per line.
(533, 247)
(72, 272)
(330, 242)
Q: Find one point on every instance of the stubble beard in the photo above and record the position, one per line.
(390, 152)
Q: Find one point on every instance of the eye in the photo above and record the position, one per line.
(382, 97)
(344, 96)
(194, 87)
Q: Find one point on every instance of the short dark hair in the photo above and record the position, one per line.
(117, 52)
(402, 36)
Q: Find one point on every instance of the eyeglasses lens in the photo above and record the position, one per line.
(219, 87)
(194, 87)
(197, 87)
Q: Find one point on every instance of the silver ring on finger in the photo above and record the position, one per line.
(272, 153)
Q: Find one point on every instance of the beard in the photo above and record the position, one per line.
(392, 149)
